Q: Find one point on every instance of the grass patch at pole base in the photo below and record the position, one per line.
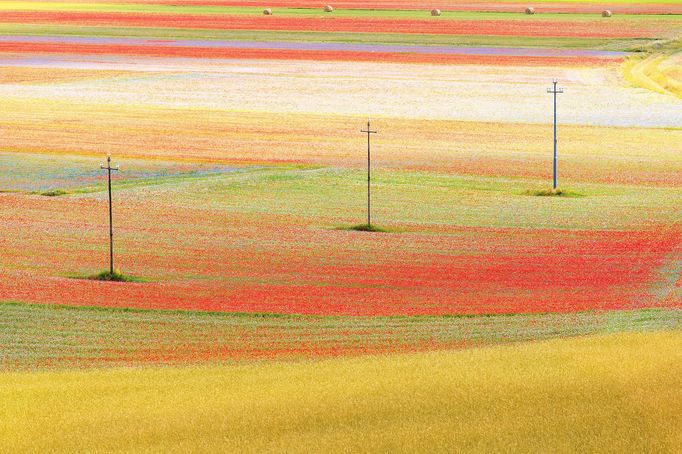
(364, 228)
(116, 276)
(552, 193)
(54, 193)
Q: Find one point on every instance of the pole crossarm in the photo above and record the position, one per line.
(108, 166)
(368, 131)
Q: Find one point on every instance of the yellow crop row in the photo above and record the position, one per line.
(661, 73)
(618, 393)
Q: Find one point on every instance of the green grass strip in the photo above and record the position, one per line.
(322, 37)
(54, 337)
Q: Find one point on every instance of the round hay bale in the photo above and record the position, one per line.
(530, 10)
(267, 12)
(606, 13)
(328, 9)
(435, 12)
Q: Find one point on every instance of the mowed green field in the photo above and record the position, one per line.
(36, 337)
(330, 197)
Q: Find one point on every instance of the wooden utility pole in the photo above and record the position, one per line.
(555, 91)
(109, 169)
(369, 133)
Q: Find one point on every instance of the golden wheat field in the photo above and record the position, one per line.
(615, 393)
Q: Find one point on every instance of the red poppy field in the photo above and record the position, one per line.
(322, 271)
(243, 171)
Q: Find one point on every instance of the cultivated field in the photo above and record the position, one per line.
(604, 393)
(243, 169)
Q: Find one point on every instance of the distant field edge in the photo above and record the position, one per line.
(617, 392)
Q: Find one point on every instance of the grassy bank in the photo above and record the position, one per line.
(47, 337)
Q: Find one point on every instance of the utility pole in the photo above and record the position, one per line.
(108, 168)
(555, 91)
(369, 171)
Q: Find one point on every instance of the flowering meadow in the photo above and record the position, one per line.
(242, 162)
(243, 174)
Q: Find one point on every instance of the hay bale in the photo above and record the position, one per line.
(435, 12)
(606, 13)
(267, 12)
(530, 10)
(328, 9)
